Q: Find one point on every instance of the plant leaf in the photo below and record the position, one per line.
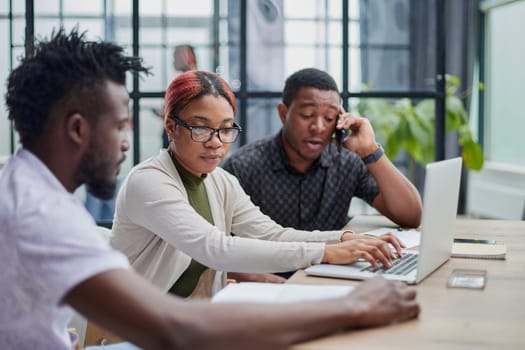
(456, 114)
(410, 127)
(472, 155)
(426, 110)
(465, 135)
(452, 84)
(392, 146)
(452, 79)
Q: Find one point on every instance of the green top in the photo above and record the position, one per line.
(198, 199)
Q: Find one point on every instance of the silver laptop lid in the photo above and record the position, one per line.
(440, 200)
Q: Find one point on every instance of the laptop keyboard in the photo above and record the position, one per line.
(401, 266)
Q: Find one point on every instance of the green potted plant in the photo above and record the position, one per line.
(404, 126)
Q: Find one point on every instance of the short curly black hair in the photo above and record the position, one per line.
(307, 77)
(67, 66)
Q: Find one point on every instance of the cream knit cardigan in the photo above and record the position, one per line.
(159, 231)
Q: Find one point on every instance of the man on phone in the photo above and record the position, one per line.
(299, 178)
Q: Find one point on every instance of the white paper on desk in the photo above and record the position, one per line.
(254, 292)
(410, 238)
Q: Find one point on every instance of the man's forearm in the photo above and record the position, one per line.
(263, 326)
(376, 302)
(399, 199)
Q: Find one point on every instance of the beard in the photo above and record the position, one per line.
(97, 172)
(104, 190)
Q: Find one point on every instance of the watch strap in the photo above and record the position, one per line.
(374, 157)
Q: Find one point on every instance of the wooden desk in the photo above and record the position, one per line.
(492, 318)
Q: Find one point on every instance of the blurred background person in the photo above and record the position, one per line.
(184, 59)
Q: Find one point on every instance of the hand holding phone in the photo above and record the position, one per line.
(358, 134)
(340, 135)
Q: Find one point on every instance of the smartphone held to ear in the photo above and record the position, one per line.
(340, 135)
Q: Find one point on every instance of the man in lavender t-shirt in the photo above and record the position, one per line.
(48, 245)
(70, 107)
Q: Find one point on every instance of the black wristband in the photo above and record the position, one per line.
(374, 157)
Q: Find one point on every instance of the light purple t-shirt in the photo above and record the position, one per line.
(48, 244)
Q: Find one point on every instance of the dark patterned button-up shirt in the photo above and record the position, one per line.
(316, 200)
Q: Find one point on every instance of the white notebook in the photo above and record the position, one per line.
(254, 292)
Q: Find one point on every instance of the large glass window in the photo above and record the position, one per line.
(280, 37)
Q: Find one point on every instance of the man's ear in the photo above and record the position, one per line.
(282, 110)
(78, 129)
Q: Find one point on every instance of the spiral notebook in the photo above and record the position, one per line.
(479, 251)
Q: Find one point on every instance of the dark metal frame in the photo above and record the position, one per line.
(135, 96)
(481, 103)
(11, 63)
(440, 94)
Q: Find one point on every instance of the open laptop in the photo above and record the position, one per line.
(440, 202)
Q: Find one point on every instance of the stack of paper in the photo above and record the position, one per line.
(410, 238)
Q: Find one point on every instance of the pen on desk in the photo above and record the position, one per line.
(477, 241)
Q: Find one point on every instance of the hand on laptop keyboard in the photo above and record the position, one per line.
(400, 266)
(374, 250)
(389, 237)
(394, 243)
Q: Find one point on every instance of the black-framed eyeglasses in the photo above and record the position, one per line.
(205, 133)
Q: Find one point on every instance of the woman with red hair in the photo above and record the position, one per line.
(180, 218)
